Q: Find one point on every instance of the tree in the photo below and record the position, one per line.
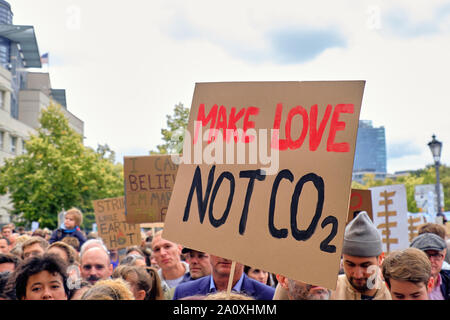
(174, 134)
(421, 176)
(57, 172)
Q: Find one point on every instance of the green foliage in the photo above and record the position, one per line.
(422, 176)
(174, 134)
(58, 172)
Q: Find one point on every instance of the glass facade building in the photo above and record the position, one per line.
(370, 153)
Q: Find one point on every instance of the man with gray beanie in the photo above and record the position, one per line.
(362, 254)
(435, 248)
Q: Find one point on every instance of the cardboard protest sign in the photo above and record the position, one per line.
(265, 175)
(447, 229)
(415, 220)
(390, 216)
(360, 200)
(149, 182)
(115, 232)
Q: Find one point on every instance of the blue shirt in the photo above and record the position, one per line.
(237, 287)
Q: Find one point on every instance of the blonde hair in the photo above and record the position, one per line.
(77, 215)
(109, 289)
(410, 265)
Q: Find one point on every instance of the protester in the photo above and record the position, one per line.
(134, 250)
(8, 262)
(133, 260)
(7, 231)
(435, 248)
(440, 231)
(4, 245)
(41, 278)
(33, 247)
(199, 263)
(78, 291)
(95, 265)
(258, 275)
(73, 242)
(5, 286)
(362, 256)
(297, 290)
(408, 274)
(138, 279)
(218, 281)
(91, 243)
(110, 289)
(70, 227)
(39, 233)
(64, 251)
(172, 270)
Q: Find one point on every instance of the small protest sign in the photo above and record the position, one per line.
(266, 172)
(115, 232)
(391, 216)
(360, 200)
(149, 182)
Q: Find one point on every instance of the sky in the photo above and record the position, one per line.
(126, 64)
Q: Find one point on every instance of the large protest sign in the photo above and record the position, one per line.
(390, 216)
(360, 200)
(269, 185)
(115, 232)
(149, 182)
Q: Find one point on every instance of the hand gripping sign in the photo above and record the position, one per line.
(265, 175)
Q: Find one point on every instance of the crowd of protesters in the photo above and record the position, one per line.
(68, 264)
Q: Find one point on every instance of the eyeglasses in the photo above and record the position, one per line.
(437, 255)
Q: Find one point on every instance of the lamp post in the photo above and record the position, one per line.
(436, 147)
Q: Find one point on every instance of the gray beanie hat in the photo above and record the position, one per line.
(429, 241)
(361, 237)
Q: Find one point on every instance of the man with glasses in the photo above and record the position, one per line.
(435, 248)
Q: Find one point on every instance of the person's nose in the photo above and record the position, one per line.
(46, 294)
(359, 272)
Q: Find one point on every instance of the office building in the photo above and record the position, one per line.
(23, 94)
(370, 153)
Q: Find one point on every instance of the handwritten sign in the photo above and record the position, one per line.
(360, 200)
(115, 232)
(391, 216)
(149, 182)
(266, 172)
(415, 220)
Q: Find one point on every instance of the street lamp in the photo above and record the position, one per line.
(436, 147)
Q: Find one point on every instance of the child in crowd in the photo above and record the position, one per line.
(70, 227)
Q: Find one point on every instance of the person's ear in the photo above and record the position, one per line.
(140, 295)
(430, 284)
(381, 259)
(283, 281)
(111, 269)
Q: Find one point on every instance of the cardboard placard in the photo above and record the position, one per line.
(390, 216)
(360, 200)
(447, 229)
(149, 182)
(264, 197)
(115, 232)
(415, 220)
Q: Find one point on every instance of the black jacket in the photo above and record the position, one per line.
(59, 234)
(445, 284)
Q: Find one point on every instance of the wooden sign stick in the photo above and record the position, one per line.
(230, 280)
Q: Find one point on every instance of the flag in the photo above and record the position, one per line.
(44, 58)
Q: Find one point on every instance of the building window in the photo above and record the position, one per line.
(2, 134)
(24, 149)
(13, 144)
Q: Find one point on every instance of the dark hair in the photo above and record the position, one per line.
(247, 269)
(134, 248)
(5, 286)
(48, 262)
(7, 240)
(9, 258)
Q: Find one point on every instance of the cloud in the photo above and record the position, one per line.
(401, 23)
(298, 45)
(285, 45)
(403, 149)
